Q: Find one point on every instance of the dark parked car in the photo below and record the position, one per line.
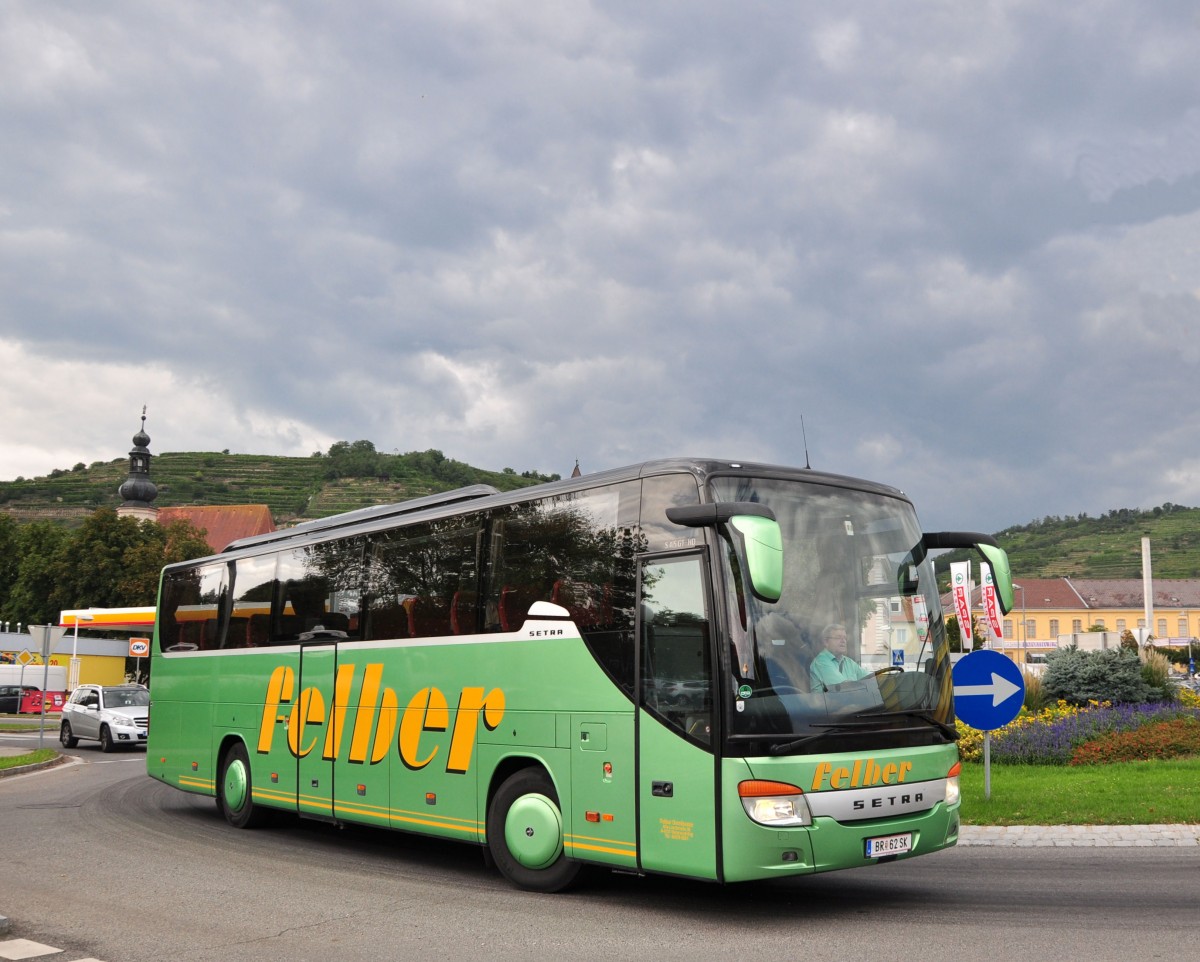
(10, 698)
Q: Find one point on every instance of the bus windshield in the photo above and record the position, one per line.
(856, 642)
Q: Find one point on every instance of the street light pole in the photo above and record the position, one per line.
(1023, 625)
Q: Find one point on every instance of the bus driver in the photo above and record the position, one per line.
(832, 665)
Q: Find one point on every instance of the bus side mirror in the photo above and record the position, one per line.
(755, 533)
(992, 553)
(762, 543)
(997, 558)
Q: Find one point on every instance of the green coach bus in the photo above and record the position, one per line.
(614, 670)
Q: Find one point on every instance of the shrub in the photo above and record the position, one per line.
(1113, 675)
(1169, 739)
(1156, 672)
(1035, 692)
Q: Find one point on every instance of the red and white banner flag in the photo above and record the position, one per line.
(920, 616)
(960, 584)
(989, 598)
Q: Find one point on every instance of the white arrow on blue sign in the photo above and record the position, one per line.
(986, 690)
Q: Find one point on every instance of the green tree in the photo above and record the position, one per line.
(110, 562)
(954, 634)
(90, 574)
(9, 558)
(40, 545)
(143, 563)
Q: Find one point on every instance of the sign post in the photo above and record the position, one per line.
(45, 634)
(989, 691)
(139, 648)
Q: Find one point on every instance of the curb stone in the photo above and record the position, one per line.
(35, 767)
(1082, 836)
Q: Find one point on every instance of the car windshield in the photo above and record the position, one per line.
(856, 641)
(127, 698)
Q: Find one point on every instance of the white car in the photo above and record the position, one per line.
(111, 714)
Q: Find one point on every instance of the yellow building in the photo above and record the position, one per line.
(1047, 612)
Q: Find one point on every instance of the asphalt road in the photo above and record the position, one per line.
(104, 863)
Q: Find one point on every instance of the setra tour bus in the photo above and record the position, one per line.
(614, 670)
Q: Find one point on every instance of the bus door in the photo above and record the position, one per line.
(676, 765)
(343, 755)
(313, 728)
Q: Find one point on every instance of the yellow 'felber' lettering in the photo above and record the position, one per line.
(470, 703)
(427, 711)
(279, 691)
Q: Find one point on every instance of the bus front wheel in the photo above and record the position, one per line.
(235, 790)
(525, 833)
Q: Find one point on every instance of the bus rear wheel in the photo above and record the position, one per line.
(235, 790)
(525, 833)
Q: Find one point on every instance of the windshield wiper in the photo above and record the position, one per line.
(923, 714)
(839, 729)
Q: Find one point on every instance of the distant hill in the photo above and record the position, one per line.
(351, 475)
(354, 475)
(1109, 546)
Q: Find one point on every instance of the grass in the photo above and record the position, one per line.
(1129, 793)
(31, 758)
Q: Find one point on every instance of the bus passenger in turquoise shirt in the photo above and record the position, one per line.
(832, 665)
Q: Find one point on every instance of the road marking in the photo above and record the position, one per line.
(25, 949)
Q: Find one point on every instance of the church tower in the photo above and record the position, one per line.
(137, 490)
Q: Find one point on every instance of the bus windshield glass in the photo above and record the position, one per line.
(856, 642)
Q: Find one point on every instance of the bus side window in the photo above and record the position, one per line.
(676, 645)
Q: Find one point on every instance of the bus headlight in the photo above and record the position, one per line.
(952, 791)
(776, 804)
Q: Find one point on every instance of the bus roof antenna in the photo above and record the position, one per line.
(804, 435)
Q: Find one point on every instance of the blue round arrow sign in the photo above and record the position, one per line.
(989, 690)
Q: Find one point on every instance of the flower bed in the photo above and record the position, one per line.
(1168, 739)
(1053, 735)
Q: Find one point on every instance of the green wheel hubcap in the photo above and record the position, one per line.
(236, 782)
(533, 831)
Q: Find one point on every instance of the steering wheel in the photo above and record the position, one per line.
(883, 671)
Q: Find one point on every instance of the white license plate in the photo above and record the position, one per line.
(889, 845)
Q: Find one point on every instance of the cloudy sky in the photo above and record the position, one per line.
(961, 240)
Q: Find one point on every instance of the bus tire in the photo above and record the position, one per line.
(64, 735)
(235, 790)
(106, 742)
(525, 833)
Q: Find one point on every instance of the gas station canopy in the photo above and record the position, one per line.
(109, 619)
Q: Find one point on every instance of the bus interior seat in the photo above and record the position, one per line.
(258, 630)
(463, 613)
(427, 617)
(514, 606)
(237, 635)
(391, 622)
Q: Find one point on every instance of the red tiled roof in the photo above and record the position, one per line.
(1083, 594)
(223, 523)
(1127, 592)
